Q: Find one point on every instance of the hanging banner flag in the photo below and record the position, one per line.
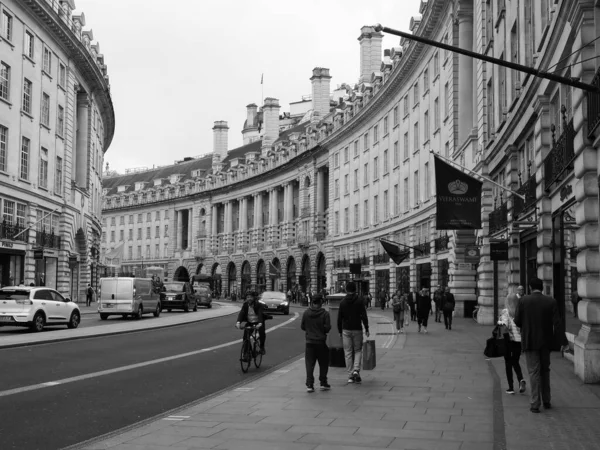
(395, 252)
(273, 271)
(458, 198)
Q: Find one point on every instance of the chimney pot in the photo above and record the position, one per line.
(220, 131)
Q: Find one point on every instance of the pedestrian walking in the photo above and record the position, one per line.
(369, 299)
(575, 299)
(399, 308)
(513, 344)
(412, 303)
(316, 323)
(538, 319)
(89, 297)
(423, 309)
(448, 305)
(352, 316)
(437, 300)
(382, 298)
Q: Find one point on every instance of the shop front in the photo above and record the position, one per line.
(46, 267)
(12, 263)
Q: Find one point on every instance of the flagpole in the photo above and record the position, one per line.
(522, 197)
(403, 245)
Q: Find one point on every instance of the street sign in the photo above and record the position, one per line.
(472, 254)
(38, 253)
(465, 266)
(499, 251)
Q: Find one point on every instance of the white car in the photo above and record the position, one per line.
(36, 307)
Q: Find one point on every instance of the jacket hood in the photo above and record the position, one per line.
(351, 298)
(314, 312)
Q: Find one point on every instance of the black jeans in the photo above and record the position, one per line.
(511, 361)
(422, 319)
(448, 319)
(413, 312)
(538, 366)
(312, 354)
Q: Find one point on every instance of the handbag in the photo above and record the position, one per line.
(495, 346)
(369, 360)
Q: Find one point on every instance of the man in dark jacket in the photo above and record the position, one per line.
(412, 304)
(448, 304)
(316, 323)
(423, 309)
(252, 313)
(352, 315)
(537, 317)
(437, 299)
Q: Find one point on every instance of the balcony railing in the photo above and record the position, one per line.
(276, 243)
(381, 258)
(320, 235)
(441, 243)
(593, 102)
(363, 260)
(202, 234)
(528, 190)
(303, 240)
(245, 248)
(8, 231)
(290, 242)
(561, 157)
(499, 218)
(44, 239)
(422, 249)
(260, 246)
(305, 211)
(341, 263)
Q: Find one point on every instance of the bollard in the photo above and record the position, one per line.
(334, 341)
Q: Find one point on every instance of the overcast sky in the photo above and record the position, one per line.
(176, 67)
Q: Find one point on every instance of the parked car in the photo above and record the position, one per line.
(36, 307)
(127, 296)
(202, 290)
(177, 295)
(274, 301)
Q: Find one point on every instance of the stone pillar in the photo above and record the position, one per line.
(82, 140)
(228, 241)
(243, 204)
(178, 233)
(258, 219)
(320, 200)
(587, 167)
(485, 269)
(215, 225)
(514, 251)
(465, 71)
(189, 233)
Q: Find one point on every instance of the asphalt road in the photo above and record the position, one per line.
(34, 415)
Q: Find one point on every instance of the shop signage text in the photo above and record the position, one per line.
(6, 244)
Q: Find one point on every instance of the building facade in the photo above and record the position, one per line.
(56, 122)
(309, 194)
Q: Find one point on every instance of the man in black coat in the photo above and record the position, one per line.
(448, 304)
(423, 309)
(541, 328)
(252, 312)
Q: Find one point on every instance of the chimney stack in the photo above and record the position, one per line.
(220, 131)
(320, 91)
(370, 52)
(270, 123)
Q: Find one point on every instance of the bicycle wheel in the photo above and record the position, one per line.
(246, 356)
(257, 354)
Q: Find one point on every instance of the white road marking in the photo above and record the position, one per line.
(243, 389)
(101, 373)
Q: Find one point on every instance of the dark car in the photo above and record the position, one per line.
(177, 295)
(274, 301)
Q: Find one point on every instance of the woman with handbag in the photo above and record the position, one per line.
(399, 307)
(513, 344)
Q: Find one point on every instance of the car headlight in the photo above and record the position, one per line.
(284, 304)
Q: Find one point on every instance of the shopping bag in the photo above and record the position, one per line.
(495, 346)
(368, 355)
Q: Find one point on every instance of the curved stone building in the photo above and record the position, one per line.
(56, 122)
(314, 190)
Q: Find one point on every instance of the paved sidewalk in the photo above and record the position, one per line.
(128, 326)
(429, 391)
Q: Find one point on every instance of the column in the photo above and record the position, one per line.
(465, 71)
(214, 226)
(243, 204)
(258, 220)
(586, 186)
(289, 209)
(228, 223)
(190, 222)
(178, 236)
(320, 194)
(82, 139)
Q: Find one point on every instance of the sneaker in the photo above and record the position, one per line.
(510, 391)
(535, 410)
(356, 376)
(547, 405)
(350, 379)
(310, 388)
(425, 330)
(419, 328)
(325, 387)
(402, 331)
(522, 386)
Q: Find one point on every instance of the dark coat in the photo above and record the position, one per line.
(352, 314)
(448, 302)
(541, 328)
(423, 305)
(316, 323)
(258, 310)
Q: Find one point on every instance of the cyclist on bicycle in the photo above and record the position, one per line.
(252, 313)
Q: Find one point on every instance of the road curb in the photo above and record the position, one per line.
(110, 333)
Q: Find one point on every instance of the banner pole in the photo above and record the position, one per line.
(398, 243)
(522, 197)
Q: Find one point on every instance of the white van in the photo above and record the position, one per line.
(127, 296)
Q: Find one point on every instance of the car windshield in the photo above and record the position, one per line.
(14, 295)
(273, 296)
(174, 287)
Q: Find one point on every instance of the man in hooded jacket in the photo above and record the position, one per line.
(316, 323)
(352, 315)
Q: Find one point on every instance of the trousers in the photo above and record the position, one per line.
(353, 344)
(511, 361)
(316, 353)
(538, 366)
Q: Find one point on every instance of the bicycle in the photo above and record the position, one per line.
(475, 311)
(250, 347)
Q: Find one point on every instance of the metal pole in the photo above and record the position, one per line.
(33, 224)
(490, 59)
(479, 175)
(495, 292)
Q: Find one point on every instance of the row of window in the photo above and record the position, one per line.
(13, 213)
(139, 234)
(113, 220)
(147, 255)
(25, 158)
